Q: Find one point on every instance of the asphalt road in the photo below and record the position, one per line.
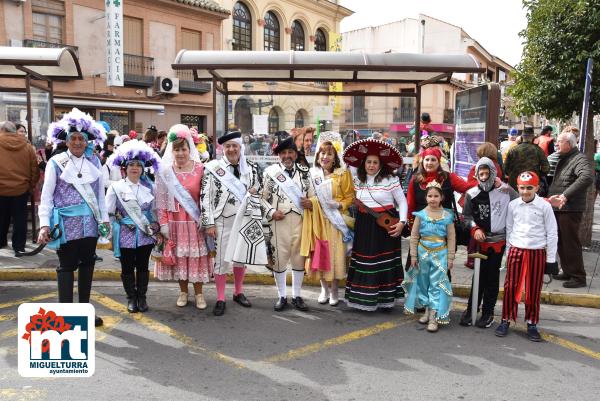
(329, 353)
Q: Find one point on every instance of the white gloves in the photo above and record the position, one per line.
(164, 231)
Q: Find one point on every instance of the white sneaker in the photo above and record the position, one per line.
(200, 302)
(333, 297)
(323, 296)
(182, 300)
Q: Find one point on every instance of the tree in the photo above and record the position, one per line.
(560, 36)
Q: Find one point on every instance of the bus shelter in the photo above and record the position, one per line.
(26, 90)
(222, 68)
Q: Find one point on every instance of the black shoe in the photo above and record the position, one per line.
(18, 254)
(532, 333)
(572, 283)
(561, 277)
(141, 284)
(242, 300)
(142, 304)
(420, 310)
(465, 319)
(502, 329)
(219, 309)
(98, 321)
(98, 258)
(485, 321)
(132, 305)
(281, 304)
(298, 302)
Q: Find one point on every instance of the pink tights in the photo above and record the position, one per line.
(238, 280)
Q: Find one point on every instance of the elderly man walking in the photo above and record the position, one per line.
(18, 175)
(573, 176)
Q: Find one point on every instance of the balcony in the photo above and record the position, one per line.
(42, 44)
(357, 115)
(139, 70)
(187, 83)
(404, 114)
(448, 116)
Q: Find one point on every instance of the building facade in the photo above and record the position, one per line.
(421, 35)
(153, 32)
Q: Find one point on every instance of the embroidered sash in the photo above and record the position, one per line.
(233, 184)
(132, 207)
(286, 184)
(180, 193)
(324, 191)
(247, 240)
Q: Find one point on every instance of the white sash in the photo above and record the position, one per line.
(231, 182)
(85, 190)
(133, 209)
(247, 240)
(286, 184)
(180, 193)
(324, 191)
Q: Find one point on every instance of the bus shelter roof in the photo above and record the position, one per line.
(49, 63)
(316, 66)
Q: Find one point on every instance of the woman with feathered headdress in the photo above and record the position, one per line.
(130, 204)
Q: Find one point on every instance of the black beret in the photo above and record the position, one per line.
(229, 136)
(288, 143)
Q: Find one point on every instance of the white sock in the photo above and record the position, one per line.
(280, 284)
(297, 278)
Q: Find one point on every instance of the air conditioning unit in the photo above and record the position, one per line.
(167, 85)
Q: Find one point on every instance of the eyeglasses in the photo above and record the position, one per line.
(526, 187)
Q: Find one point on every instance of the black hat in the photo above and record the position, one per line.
(528, 132)
(547, 128)
(229, 136)
(426, 117)
(288, 143)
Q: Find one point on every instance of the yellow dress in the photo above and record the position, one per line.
(316, 226)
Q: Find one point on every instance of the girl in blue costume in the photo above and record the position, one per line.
(432, 241)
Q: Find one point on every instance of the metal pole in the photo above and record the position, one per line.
(586, 104)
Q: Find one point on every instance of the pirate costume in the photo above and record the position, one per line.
(375, 274)
(225, 202)
(131, 209)
(282, 190)
(73, 201)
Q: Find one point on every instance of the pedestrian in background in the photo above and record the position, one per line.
(19, 174)
(545, 140)
(572, 178)
(527, 157)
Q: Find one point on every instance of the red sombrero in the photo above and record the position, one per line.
(359, 150)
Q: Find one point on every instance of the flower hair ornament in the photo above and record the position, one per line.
(136, 151)
(178, 131)
(76, 121)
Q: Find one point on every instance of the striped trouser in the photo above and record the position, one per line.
(525, 268)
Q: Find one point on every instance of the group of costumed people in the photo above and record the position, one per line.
(203, 221)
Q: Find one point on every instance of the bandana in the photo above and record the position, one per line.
(432, 152)
(528, 178)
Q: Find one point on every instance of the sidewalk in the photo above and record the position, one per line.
(42, 267)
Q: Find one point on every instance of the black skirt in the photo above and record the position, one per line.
(375, 274)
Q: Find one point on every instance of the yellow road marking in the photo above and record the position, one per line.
(343, 339)
(161, 328)
(8, 334)
(22, 394)
(28, 299)
(110, 322)
(9, 316)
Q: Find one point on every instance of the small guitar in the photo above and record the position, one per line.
(383, 219)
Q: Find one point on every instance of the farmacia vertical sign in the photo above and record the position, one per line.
(114, 43)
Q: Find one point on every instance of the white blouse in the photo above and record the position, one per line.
(386, 193)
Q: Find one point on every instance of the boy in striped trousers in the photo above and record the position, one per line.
(532, 237)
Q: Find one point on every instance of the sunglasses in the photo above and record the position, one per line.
(528, 187)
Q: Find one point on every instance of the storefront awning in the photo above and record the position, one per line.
(76, 102)
(50, 63)
(323, 66)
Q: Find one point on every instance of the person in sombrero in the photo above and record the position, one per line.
(73, 201)
(375, 274)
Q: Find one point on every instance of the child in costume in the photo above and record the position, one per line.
(485, 215)
(432, 246)
(532, 238)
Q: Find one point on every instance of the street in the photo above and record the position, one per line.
(329, 353)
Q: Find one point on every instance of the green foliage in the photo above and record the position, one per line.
(560, 36)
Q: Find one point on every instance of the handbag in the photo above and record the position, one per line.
(463, 234)
(321, 260)
(168, 257)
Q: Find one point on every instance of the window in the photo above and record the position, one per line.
(192, 120)
(119, 120)
(191, 40)
(297, 36)
(271, 32)
(48, 19)
(273, 121)
(133, 38)
(242, 27)
(299, 120)
(320, 41)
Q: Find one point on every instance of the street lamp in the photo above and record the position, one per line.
(260, 104)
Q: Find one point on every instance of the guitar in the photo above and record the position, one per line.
(383, 219)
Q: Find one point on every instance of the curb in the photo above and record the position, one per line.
(459, 290)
